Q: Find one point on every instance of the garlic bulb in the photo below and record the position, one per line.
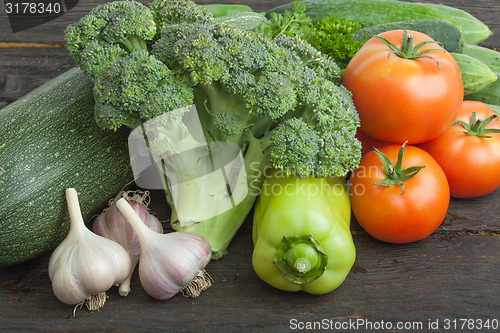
(84, 265)
(169, 263)
(112, 224)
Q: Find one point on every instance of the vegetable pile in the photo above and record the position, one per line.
(279, 100)
(384, 109)
(420, 85)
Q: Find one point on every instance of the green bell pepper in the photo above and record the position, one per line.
(301, 233)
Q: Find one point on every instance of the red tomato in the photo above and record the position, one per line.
(387, 213)
(399, 99)
(471, 163)
(368, 143)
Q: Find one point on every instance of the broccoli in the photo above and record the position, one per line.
(167, 12)
(107, 33)
(276, 102)
(135, 89)
(117, 28)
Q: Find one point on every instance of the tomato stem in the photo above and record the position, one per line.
(395, 175)
(476, 127)
(409, 51)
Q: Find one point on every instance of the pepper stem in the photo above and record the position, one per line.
(300, 258)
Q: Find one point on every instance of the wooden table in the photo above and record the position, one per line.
(450, 277)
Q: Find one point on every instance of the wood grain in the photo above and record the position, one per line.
(453, 274)
(22, 69)
(438, 278)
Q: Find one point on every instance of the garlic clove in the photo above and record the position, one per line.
(112, 224)
(169, 262)
(84, 265)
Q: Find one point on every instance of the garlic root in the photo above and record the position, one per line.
(201, 282)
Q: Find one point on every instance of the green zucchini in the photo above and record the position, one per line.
(491, 93)
(49, 141)
(248, 21)
(373, 12)
(475, 74)
(445, 33)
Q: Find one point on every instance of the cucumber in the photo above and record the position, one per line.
(219, 10)
(443, 32)
(475, 74)
(491, 93)
(248, 21)
(373, 12)
(49, 141)
(489, 56)
(473, 29)
(495, 108)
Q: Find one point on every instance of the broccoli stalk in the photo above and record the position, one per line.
(268, 103)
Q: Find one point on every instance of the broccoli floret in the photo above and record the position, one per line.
(108, 32)
(99, 56)
(327, 114)
(295, 147)
(228, 124)
(321, 64)
(268, 89)
(190, 48)
(167, 12)
(137, 88)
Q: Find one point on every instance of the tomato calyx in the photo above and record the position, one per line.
(408, 50)
(395, 175)
(476, 127)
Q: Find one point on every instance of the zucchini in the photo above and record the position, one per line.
(443, 32)
(248, 21)
(475, 74)
(49, 141)
(491, 93)
(373, 12)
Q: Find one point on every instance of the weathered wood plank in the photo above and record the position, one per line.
(436, 279)
(453, 274)
(23, 69)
